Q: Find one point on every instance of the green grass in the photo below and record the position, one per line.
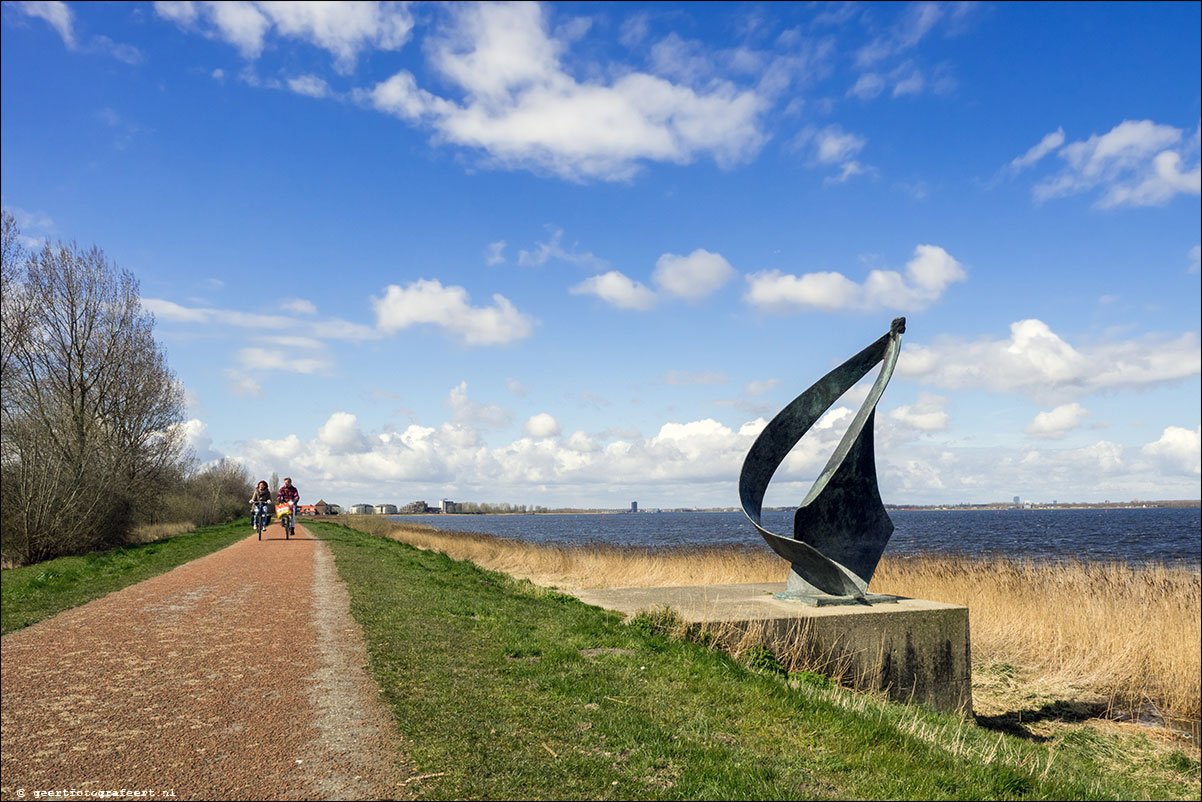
(35, 592)
(494, 699)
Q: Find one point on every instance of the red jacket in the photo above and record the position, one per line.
(287, 494)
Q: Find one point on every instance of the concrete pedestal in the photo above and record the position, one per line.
(915, 650)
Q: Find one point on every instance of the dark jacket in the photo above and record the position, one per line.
(261, 496)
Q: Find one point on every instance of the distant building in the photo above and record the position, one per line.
(385, 509)
(415, 507)
(447, 506)
(634, 506)
(362, 509)
(1016, 501)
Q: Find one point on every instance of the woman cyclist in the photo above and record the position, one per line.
(262, 505)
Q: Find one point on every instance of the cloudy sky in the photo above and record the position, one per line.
(578, 254)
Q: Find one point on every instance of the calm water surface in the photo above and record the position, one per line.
(1171, 535)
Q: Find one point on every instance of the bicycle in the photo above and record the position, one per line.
(286, 512)
(260, 517)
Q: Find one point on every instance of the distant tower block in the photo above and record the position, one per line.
(1016, 501)
(634, 506)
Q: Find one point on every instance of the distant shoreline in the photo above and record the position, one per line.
(996, 507)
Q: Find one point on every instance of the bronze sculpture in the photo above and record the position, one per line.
(841, 528)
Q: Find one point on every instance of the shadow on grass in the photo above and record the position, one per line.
(1014, 722)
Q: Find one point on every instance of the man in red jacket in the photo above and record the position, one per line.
(288, 494)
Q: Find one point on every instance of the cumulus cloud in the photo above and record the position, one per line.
(495, 253)
(692, 277)
(466, 411)
(541, 426)
(198, 440)
(1178, 450)
(340, 434)
(519, 106)
(1136, 163)
(1055, 423)
(617, 289)
(427, 302)
(927, 414)
(342, 29)
(926, 277)
(1037, 362)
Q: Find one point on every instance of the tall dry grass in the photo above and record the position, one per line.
(1127, 635)
(148, 533)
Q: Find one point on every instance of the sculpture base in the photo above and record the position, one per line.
(827, 600)
(913, 650)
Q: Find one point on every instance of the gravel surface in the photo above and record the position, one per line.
(236, 676)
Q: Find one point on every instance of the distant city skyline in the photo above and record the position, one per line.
(576, 254)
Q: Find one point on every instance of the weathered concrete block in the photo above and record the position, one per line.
(915, 650)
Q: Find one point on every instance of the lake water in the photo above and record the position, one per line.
(1133, 535)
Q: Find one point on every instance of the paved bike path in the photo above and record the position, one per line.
(240, 675)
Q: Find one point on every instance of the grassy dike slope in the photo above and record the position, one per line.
(504, 690)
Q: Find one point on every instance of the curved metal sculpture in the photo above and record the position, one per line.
(841, 528)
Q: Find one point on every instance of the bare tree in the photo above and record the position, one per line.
(91, 412)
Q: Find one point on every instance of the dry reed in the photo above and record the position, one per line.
(1128, 635)
(148, 533)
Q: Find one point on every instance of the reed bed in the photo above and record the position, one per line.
(1126, 635)
(148, 533)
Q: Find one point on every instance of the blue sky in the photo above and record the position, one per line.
(578, 254)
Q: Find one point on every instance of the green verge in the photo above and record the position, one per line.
(34, 592)
(497, 696)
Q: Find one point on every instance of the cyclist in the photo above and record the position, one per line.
(288, 494)
(261, 501)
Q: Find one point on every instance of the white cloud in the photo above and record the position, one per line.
(684, 378)
(329, 328)
(833, 146)
(198, 439)
(57, 14)
(242, 384)
(553, 250)
(927, 275)
(1178, 450)
(1136, 163)
(62, 19)
(309, 85)
(467, 412)
(618, 290)
(911, 27)
(342, 29)
(254, 358)
(541, 426)
(867, 86)
(427, 302)
(1037, 151)
(516, 387)
(1036, 362)
(340, 433)
(1054, 424)
(1195, 258)
(759, 387)
(927, 414)
(519, 106)
(300, 306)
(495, 253)
(693, 277)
